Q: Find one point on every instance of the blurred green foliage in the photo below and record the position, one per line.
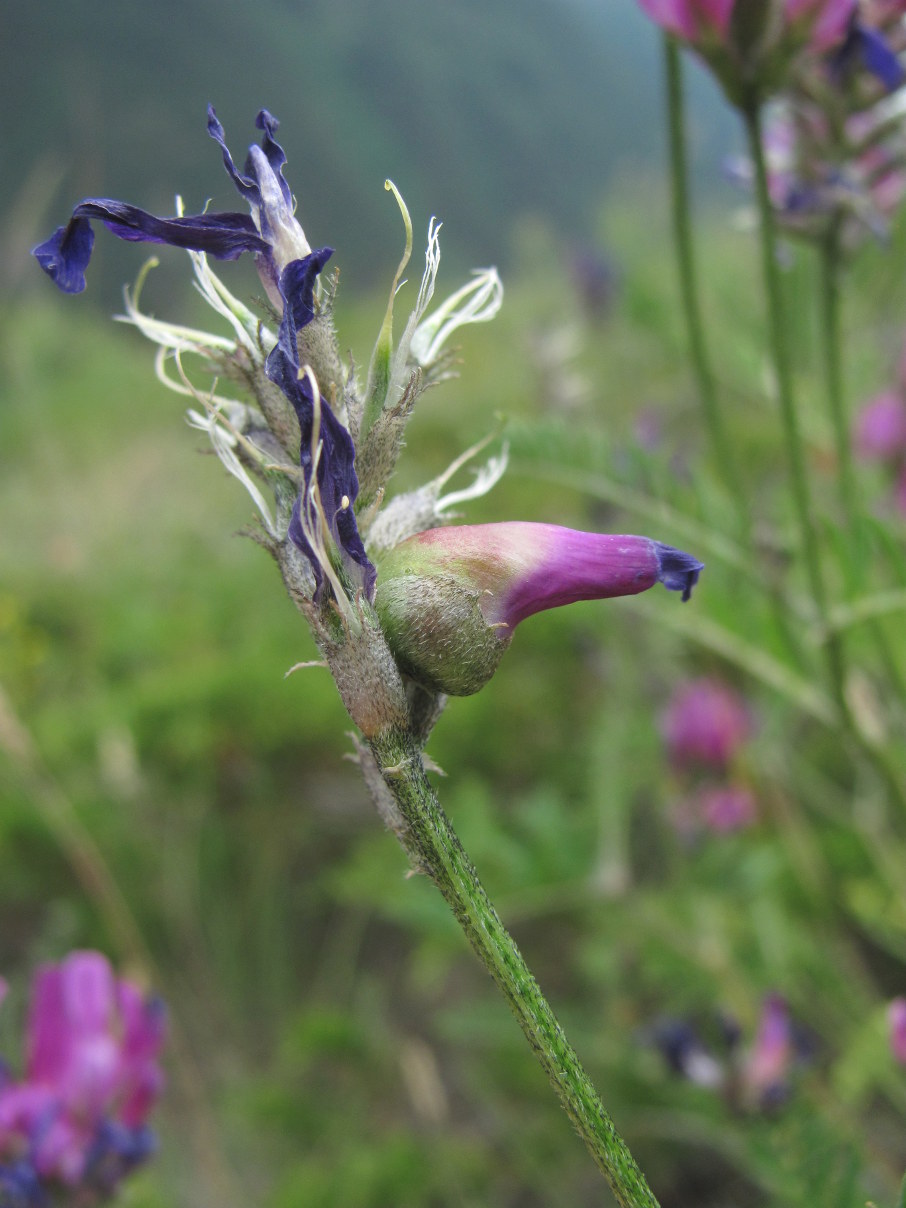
(334, 1041)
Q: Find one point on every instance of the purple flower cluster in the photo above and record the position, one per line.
(835, 151)
(74, 1124)
(754, 1077)
(705, 726)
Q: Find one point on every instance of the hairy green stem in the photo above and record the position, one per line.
(829, 255)
(721, 447)
(435, 848)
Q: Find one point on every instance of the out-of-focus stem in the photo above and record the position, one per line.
(721, 447)
(434, 847)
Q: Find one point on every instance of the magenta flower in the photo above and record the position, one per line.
(751, 56)
(450, 598)
(705, 723)
(77, 1117)
(896, 1022)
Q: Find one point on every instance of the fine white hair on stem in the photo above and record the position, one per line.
(477, 301)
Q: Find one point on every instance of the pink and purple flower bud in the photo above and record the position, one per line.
(896, 1023)
(705, 724)
(449, 599)
(77, 1119)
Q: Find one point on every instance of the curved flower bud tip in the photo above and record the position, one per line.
(450, 598)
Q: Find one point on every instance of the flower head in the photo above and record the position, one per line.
(289, 270)
(751, 44)
(450, 598)
(77, 1117)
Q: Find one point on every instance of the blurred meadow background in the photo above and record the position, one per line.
(168, 797)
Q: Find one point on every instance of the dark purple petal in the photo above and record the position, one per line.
(679, 571)
(879, 59)
(65, 255)
(274, 153)
(864, 47)
(247, 185)
(337, 481)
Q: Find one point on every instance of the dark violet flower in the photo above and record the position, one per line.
(896, 1022)
(450, 598)
(289, 270)
(77, 1117)
(705, 723)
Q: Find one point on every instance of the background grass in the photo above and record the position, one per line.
(335, 1043)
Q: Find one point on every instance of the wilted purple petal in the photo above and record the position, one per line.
(337, 480)
(65, 255)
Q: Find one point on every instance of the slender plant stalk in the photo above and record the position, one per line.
(721, 446)
(829, 257)
(777, 338)
(435, 848)
(777, 334)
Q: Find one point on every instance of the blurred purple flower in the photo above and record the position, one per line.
(896, 1021)
(727, 807)
(77, 1117)
(710, 1054)
(705, 723)
(765, 1070)
(751, 57)
(880, 430)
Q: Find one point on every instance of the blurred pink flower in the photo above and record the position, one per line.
(765, 1071)
(896, 1020)
(91, 1075)
(706, 722)
(727, 807)
(880, 430)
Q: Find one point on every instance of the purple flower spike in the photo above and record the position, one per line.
(77, 1118)
(450, 598)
